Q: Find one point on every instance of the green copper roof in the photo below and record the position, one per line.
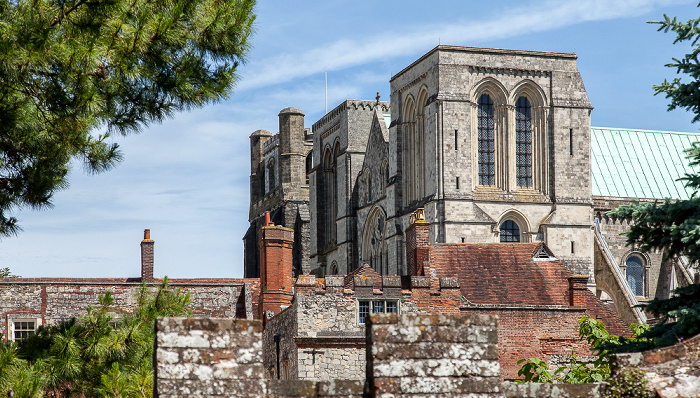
(639, 163)
(387, 119)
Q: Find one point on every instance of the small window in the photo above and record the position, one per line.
(635, 274)
(309, 165)
(376, 307)
(510, 232)
(23, 328)
(363, 311)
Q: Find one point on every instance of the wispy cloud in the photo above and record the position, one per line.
(345, 53)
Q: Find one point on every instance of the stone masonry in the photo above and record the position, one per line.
(409, 356)
(436, 355)
(372, 163)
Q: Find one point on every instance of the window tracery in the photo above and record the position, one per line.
(374, 247)
(509, 231)
(486, 141)
(523, 143)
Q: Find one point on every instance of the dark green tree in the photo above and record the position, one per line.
(95, 355)
(75, 72)
(6, 273)
(672, 225)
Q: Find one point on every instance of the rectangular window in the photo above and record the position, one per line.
(363, 311)
(455, 140)
(367, 307)
(457, 183)
(572, 247)
(23, 328)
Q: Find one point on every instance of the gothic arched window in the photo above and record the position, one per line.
(309, 165)
(486, 141)
(635, 274)
(271, 183)
(374, 247)
(328, 203)
(523, 142)
(510, 231)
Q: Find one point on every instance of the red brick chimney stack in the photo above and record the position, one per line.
(577, 290)
(147, 256)
(417, 243)
(276, 277)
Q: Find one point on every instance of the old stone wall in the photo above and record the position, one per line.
(435, 355)
(410, 356)
(208, 357)
(669, 372)
(280, 331)
(49, 301)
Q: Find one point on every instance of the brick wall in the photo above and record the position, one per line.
(51, 300)
(276, 263)
(523, 332)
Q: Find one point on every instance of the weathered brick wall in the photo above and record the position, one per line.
(524, 332)
(435, 355)
(208, 357)
(53, 300)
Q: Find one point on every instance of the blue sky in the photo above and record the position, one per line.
(187, 179)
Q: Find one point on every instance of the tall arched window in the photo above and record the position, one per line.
(635, 274)
(271, 183)
(309, 165)
(486, 141)
(510, 231)
(383, 177)
(523, 142)
(374, 247)
(327, 204)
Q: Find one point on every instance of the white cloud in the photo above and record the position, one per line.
(345, 53)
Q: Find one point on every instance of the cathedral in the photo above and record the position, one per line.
(489, 145)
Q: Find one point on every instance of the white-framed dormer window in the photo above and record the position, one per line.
(22, 328)
(367, 307)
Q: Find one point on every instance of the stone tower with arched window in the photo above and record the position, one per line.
(475, 137)
(279, 185)
(493, 146)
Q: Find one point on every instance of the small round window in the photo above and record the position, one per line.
(510, 232)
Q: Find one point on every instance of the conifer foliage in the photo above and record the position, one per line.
(97, 355)
(75, 72)
(674, 225)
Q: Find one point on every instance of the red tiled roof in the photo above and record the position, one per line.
(507, 274)
(502, 273)
(364, 270)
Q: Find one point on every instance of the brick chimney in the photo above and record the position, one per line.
(417, 244)
(147, 256)
(577, 290)
(276, 278)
